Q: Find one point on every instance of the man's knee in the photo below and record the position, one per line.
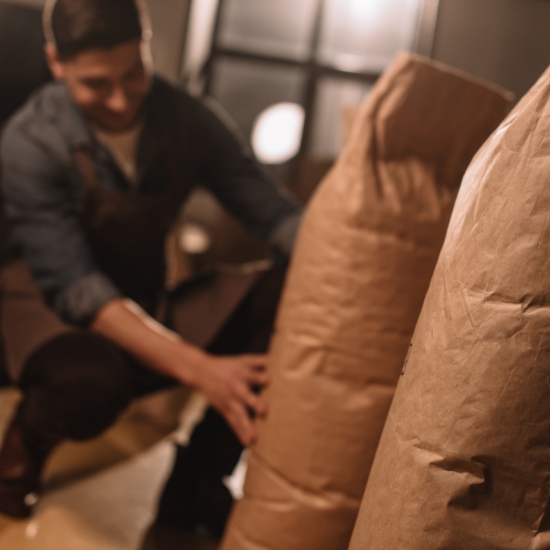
(77, 385)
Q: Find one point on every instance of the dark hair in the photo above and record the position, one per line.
(79, 25)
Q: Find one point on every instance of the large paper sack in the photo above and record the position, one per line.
(464, 461)
(364, 259)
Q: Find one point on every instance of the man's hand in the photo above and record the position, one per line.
(227, 383)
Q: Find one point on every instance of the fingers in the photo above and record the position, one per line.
(257, 404)
(246, 396)
(258, 379)
(242, 425)
(233, 393)
(255, 361)
(257, 375)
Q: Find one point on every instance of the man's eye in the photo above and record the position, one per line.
(135, 74)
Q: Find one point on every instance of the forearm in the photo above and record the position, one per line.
(127, 325)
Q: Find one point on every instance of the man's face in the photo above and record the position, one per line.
(109, 85)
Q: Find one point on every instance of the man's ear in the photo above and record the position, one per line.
(54, 63)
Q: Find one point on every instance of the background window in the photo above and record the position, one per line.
(279, 28)
(333, 96)
(320, 54)
(364, 35)
(246, 88)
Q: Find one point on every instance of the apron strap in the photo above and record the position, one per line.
(86, 167)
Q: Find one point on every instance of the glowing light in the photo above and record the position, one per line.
(277, 133)
(363, 8)
(194, 239)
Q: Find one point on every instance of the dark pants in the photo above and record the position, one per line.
(77, 385)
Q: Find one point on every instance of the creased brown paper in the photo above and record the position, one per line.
(366, 253)
(464, 461)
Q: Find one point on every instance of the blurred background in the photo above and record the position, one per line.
(308, 57)
(290, 73)
(286, 71)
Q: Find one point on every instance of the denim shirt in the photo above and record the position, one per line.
(42, 188)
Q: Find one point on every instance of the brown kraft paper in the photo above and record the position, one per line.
(364, 258)
(464, 461)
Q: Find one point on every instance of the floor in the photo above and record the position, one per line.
(102, 494)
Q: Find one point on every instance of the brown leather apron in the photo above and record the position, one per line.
(126, 232)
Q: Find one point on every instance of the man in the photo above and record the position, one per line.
(95, 169)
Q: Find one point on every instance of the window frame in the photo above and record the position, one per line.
(312, 68)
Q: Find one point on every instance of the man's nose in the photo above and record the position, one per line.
(117, 101)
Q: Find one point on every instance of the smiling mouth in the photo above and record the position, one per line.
(112, 121)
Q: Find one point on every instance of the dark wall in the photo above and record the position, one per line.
(22, 65)
(505, 41)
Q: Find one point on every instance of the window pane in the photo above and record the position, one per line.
(245, 88)
(271, 27)
(333, 96)
(364, 35)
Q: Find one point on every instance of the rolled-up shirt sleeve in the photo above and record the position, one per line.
(44, 224)
(230, 171)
